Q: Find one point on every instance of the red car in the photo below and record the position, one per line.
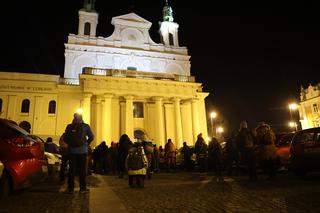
(21, 155)
(283, 143)
(305, 151)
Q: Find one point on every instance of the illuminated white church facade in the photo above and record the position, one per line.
(125, 83)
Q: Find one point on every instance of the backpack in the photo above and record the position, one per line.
(75, 135)
(135, 159)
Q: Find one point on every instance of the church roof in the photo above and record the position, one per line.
(131, 19)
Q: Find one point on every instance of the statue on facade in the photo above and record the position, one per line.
(89, 5)
(167, 13)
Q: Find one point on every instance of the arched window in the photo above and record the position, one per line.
(25, 106)
(171, 39)
(0, 104)
(137, 109)
(52, 107)
(87, 29)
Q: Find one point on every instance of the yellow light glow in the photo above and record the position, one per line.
(213, 114)
(292, 124)
(293, 106)
(79, 111)
(220, 129)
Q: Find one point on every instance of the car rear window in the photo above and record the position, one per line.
(303, 137)
(9, 130)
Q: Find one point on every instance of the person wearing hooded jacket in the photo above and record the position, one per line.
(78, 154)
(267, 148)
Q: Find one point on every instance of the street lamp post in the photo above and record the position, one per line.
(213, 115)
(293, 107)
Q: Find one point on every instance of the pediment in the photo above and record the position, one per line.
(131, 19)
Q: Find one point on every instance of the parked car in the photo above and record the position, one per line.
(180, 157)
(2, 193)
(305, 151)
(21, 155)
(283, 143)
(52, 161)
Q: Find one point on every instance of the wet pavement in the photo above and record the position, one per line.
(173, 192)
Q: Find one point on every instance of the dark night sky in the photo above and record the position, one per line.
(252, 58)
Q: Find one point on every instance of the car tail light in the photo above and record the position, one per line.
(21, 142)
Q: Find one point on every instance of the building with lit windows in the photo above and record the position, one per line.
(309, 109)
(124, 83)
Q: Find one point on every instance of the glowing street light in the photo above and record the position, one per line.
(220, 130)
(293, 125)
(292, 107)
(213, 115)
(79, 111)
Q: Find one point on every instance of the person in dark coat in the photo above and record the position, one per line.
(64, 158)
(232, 154)
(246, 143)
(113, 156)
(186, 156)
(124, 146)
(215, 158)
(78, 154)
(51, 147)
(201, 149)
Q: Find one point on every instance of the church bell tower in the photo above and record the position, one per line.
(88, 19)
(168, 28)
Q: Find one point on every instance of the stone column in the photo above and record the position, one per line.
(177, 112)
(86, 106)
(195, 118)
(12, 104)
(159, 121)
(97, 120)
(106, 117)
(202, 114)
(129, 117)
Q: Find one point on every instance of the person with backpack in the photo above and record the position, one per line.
(78, 136)
(136, 164)
(245, 141)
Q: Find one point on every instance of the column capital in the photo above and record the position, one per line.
(176, 99)
(158, 98)
(202, 95)
(108, 95)
(128, 97)
(194, 100)
(87, 95)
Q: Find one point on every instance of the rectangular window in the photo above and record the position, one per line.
(137, 109)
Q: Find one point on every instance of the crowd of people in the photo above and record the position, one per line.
(142, 158)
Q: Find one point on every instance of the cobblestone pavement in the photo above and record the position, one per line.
(201, 193)
(179, 192)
